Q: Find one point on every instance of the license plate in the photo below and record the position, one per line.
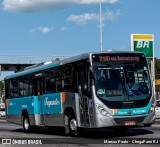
(130, 123)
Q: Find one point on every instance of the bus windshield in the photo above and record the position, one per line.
(109, 84)
(138, 81)
(132, 81)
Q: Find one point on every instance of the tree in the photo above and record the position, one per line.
(157, 68)
(2, 86)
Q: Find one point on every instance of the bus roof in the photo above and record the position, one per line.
(61, 62)
(47, 66)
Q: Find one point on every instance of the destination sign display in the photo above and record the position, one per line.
(119, 57)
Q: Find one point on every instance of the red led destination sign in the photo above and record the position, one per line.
(118, 58)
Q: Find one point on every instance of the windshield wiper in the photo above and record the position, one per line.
(115, 71)
(113, 68)
(122, 80)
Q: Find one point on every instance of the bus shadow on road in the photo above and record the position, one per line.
(107, 133)
(93, 134)
(44, 130)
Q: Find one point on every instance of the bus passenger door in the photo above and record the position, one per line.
(38, 92)
(83, 99)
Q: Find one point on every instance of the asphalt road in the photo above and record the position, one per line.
(135, 136)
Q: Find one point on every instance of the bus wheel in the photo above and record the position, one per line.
(26, 124)
(73, 126)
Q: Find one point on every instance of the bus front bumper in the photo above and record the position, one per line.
(129, 121)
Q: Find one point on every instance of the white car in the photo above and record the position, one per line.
(2, 112)
(157, 109)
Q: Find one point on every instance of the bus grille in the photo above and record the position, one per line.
(121, 121)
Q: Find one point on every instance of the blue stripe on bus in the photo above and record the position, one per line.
(16, 105)
(132, 111)
(45, 104)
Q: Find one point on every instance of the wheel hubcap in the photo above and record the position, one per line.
(26, 124)
(73, 125)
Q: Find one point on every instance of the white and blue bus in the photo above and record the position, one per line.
(92, 90)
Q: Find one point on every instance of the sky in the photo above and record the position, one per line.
(71, 27)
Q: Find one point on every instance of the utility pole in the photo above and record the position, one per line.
(100, 26)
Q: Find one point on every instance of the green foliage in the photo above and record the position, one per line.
(157, 68)
(1, 85)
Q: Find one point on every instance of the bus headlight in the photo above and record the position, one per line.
(102, 110)
(151, 109)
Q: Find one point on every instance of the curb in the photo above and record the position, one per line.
(156, 125)
(2, 120)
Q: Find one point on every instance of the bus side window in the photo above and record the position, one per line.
(20, 87)
(67, 84)
(50, 85)
(59, 85)
(14, 88)
(38, 86)
(53, 84)
(7, 89)
(24, 86)
(30, 87)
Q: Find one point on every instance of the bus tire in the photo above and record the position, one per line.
(26, 124)
(73, 126)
